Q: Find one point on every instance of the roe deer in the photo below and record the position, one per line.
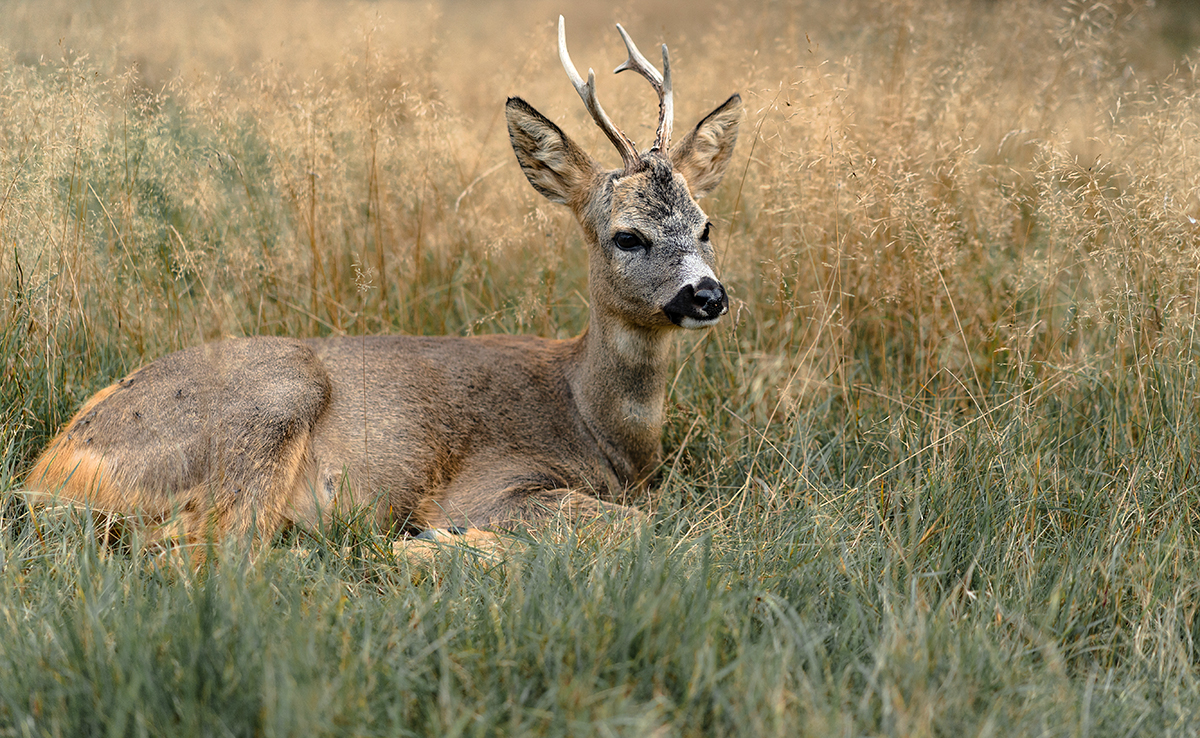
(239, 437)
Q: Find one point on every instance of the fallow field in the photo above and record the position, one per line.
(937, 473)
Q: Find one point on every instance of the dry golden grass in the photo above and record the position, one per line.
(930, 187)
(945, 442)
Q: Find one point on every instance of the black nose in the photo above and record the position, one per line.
(697, 304)
(709, 298)
(709, 301)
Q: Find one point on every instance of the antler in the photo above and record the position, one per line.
(661, 84)
(587, 91)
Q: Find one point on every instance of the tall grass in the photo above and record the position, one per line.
(935, 475)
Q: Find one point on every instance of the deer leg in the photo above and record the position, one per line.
(424, 546)
(530, 508)
(246, 501)
(523, 509)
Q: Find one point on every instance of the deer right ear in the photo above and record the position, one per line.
(553, 163)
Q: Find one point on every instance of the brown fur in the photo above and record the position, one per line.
(235, 438)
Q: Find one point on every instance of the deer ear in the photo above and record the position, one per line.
(553, 163)
(702, 156)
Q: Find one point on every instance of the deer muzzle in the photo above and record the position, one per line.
(698, 305)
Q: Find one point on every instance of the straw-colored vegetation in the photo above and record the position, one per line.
(936, 474)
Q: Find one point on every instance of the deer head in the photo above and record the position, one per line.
(650, 252)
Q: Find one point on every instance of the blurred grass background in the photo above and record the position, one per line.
(936, 474)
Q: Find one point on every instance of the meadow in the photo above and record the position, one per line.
(935, 474)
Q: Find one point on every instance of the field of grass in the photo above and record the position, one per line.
(937, 474)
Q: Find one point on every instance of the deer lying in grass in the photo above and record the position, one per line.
(237, 438)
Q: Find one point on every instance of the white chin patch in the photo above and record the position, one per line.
(693, 323)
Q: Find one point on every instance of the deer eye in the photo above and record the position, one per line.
(707, 228)
(627, 241)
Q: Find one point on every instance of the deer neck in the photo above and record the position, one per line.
(620, 386)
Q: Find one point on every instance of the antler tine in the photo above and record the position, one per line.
(660, 82)
(587, 91)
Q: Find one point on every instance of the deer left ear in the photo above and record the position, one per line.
(702, 156)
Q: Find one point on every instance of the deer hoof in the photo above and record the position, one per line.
(434, 534)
